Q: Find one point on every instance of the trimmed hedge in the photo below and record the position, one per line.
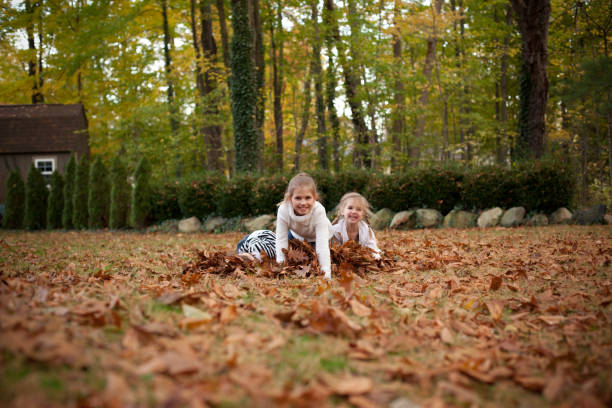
(119, 195)
(80, 213)
(537, 186)
(69, 178)
(142, 195)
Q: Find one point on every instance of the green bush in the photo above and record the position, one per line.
(15, 201)
(198, 196)
(333, 186)
(80, 196)
(236, 197)
(119, 195)
(140, 214)
(69, 177)
(165, 202)
(394, 191)
(98, 203)
(267, 193)
(36, 200)
(55, 206)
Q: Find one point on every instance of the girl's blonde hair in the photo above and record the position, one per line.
(300, 180)
(354, 196)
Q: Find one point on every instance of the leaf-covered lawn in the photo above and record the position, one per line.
(497, 317)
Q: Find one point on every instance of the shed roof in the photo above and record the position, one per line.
(43, 128)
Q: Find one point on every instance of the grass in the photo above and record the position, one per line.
(82, 322)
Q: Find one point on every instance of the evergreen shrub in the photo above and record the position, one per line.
(55, 207)
(119, 195)
(236, 197)
(69, 177)
(36, 200)
(15, 201)
(98, 203)
(198, 195)
(140, 214)
(80, 196)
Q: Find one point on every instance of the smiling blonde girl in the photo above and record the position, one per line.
(301, 216)
(351, 224)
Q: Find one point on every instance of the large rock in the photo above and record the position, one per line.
(608, 219)
(259, 223)
(460, 219)
(403, 220)
(213, 223)
(538, 220)
(561, 216)
(591, 215)
(490, 217)
(513, 216)
(428, 218)
(192, 224)
(381, 219)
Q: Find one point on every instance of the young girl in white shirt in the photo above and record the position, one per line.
(301, 216)
(351, 224)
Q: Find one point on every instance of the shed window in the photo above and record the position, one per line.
(46, 165)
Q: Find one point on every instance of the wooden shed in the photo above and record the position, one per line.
(40, 134)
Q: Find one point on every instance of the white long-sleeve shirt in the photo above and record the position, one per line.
(314, 226)
(366, 235)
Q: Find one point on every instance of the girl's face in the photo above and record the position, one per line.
(353, 211)
(302, 200)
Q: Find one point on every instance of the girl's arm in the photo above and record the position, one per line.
(282, 232)
(323, 230)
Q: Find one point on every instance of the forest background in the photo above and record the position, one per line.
(281, 86)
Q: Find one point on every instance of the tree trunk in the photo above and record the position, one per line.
(210, 96)
(398, 126)
(260, 70)
(35, 65)
(330, 88)
(533, 17)
(503, 104)
(299, 136)
(224, 37)
(172, 110)
(351, 83)
(419, 130)
(276, 35)
(318, 80)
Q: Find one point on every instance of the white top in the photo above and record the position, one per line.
(314, 226)
(366, 235)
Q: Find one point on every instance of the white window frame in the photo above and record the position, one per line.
(46, 159)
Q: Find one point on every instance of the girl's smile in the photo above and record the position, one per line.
(302, 200)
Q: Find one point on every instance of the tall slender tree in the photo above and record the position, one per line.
(55, 205)
(69, 179)
(15, 201)
(317, 73)
(277, 46)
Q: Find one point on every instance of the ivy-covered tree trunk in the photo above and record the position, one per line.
(36, 200)
(260, 72)
(56, 201)
(15, 201)
(533, 18)
(243, 92)
(69, 177)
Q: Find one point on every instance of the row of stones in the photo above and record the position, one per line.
(429, 218)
